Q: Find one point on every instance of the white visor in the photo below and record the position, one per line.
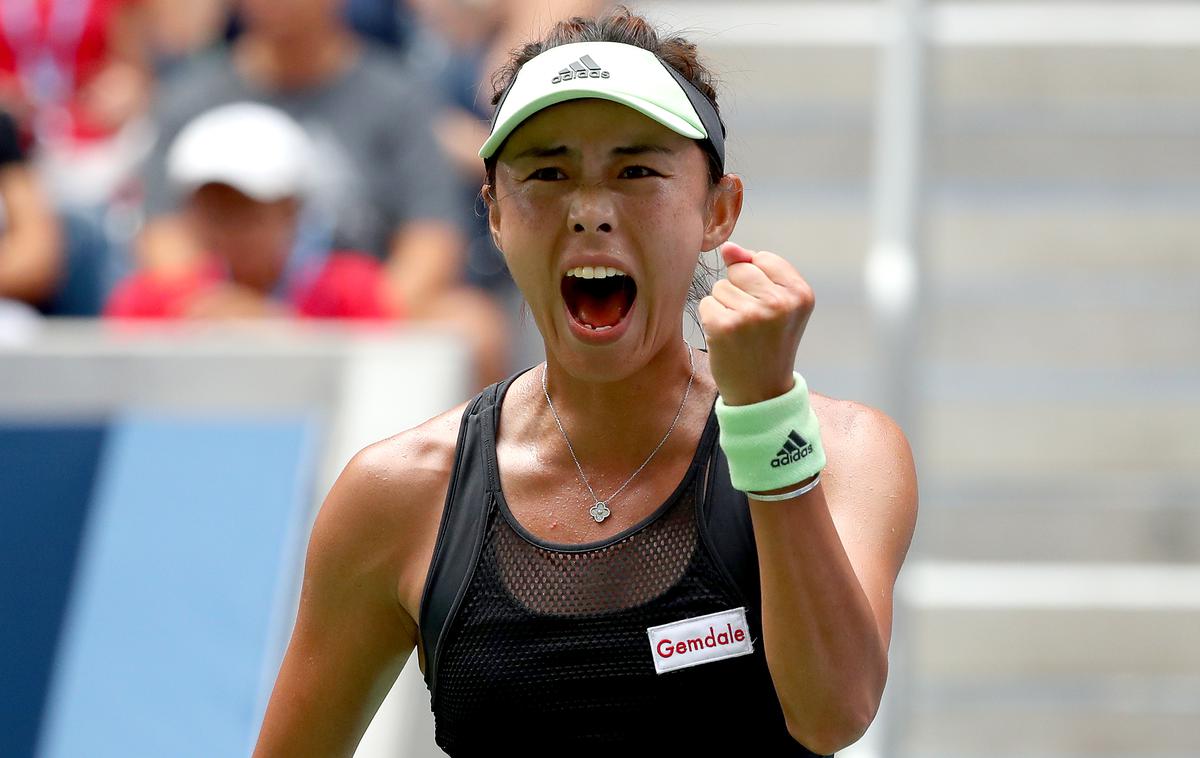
(625, 74)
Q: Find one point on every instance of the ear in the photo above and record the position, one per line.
(493, 211)
(725, 206)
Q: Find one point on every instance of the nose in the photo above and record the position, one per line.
(590, 211)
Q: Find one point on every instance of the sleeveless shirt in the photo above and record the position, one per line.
(542, 647)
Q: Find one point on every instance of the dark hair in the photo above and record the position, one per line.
(621, 25)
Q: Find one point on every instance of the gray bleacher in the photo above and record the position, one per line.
(1060, 362)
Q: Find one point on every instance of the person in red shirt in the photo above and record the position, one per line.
(243, 170)
(73, 70)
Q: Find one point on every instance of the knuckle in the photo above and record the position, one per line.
(775, 300)
(806, 298)
(799, 296)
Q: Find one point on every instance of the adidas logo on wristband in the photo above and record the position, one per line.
(795, 448)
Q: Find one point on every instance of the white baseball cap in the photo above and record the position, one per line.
(625, 74)
(254, 148)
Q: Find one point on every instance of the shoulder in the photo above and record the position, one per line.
(383, 512)
(196, 81)
(382, 68)
(397, 88)
(863, 439)
(420, 456)
(394, 479)
(870, 471)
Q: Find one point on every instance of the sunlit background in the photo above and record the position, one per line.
(996, 202)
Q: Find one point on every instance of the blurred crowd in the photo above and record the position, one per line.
(215, 159)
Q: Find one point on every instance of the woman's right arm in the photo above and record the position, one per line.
(352, 637)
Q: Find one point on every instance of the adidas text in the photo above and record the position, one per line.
(787, 458)
(583, 68)
(794, 448)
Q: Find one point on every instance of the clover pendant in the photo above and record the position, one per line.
(600, 511)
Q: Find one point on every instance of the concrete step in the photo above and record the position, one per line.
(1090, 329)
(844, 155)
(1053, 77)
(1079, 516)
(1008, 623)
(1063, 339)
(980, 436)
(1036, 730)
(981, 236)
(1009, 659)
(1066, 76)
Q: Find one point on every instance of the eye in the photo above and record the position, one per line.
(638, 172)
(546, 174)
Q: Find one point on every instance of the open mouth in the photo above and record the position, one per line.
(601, 301)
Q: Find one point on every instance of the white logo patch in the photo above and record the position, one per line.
(692, 641)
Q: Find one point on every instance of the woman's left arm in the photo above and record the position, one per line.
(828, 561)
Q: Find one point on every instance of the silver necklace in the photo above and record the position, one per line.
(599, 509)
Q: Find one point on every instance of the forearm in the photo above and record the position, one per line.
(820, 635)
(29, 269)
(31, 258)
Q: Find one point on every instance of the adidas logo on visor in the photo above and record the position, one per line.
(583, 68)
(794, 448)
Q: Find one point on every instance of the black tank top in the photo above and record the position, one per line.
(543, 648)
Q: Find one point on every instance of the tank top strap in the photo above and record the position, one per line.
(464, 518)
(726, 527)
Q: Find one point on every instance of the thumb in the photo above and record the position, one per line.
(732, 253)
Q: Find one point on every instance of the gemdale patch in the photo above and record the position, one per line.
(702, 639)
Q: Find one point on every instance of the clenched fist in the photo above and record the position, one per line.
(753, 322)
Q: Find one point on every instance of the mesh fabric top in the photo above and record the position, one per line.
(546, 648)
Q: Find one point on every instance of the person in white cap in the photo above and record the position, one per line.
(382, 185)
(635, 548)
(244, 170)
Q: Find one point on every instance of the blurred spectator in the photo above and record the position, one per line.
(31, 259)
(387, 22)
(383, 184)
(75, 75)
(244, 170)
(72, 70)
(178, 29)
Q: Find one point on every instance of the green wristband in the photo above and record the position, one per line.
(772, 444)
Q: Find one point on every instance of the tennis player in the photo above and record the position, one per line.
(637, 547)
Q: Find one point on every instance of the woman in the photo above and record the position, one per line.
(579, 562)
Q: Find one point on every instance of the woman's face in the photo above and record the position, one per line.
(594, 183)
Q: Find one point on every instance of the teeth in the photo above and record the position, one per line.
(595, 272)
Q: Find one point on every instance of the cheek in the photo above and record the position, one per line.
(526, 236)
(527, 220)
(671, 226)
(535, 205)
(668, 222)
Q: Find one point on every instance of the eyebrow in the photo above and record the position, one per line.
(646, 148)
(542, 151)
(539, 151)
